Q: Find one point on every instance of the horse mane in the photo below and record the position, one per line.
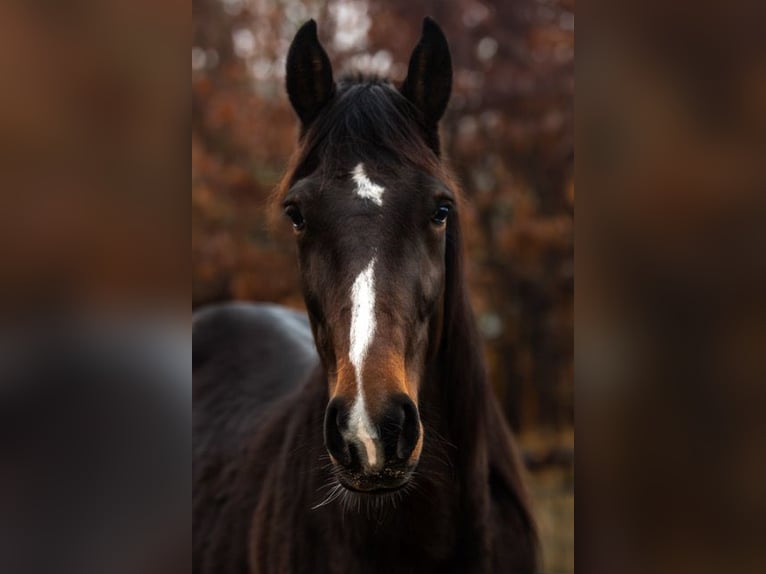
(484, 446)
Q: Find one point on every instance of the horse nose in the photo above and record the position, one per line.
(382, 441)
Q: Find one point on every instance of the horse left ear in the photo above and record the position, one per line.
(429, 77)
(309, 74)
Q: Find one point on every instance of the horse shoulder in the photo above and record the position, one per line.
(248, 360)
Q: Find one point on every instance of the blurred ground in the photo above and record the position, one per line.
(509, 135)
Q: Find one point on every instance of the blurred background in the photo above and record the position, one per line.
(671, 276)
(509, 135)
(95, 344)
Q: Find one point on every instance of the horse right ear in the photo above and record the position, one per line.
(429, 77)
(309, 74)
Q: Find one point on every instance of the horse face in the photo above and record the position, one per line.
(371, 250)
(371, 233)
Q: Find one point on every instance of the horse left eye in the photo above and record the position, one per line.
(440, 215)
(294, 214)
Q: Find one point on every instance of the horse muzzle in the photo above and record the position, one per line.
(373, 453)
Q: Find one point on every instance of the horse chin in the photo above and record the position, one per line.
(376, 490)
(379, 484)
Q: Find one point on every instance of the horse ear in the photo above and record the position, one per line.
(309, 74)
(429, 76)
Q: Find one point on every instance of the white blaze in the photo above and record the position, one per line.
(366, 188)
(361, 335)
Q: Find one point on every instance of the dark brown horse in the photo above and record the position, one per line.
(364, 438)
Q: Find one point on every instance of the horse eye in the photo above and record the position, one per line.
(440, 215)
(295, 216)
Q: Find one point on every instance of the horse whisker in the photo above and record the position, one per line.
(334, 493)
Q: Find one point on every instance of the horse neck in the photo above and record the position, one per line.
(483, 451)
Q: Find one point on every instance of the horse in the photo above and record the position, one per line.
(362, 436)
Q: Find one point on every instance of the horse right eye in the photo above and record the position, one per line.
(295, 216)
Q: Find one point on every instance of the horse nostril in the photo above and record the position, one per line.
(408, 440)
(335, 420)
(401, 428)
